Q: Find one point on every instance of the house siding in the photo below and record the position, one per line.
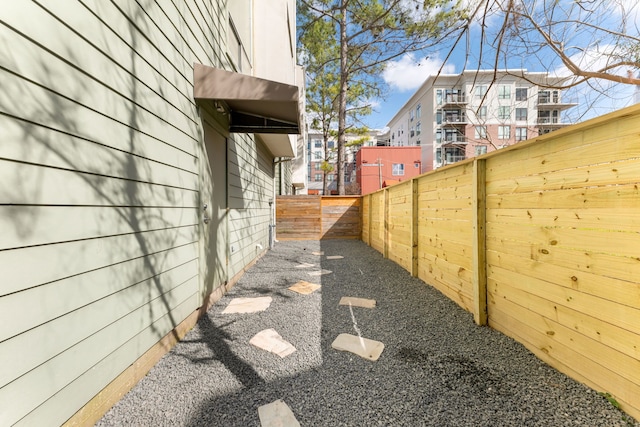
(100, 209)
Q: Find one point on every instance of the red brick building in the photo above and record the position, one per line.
(377, 165)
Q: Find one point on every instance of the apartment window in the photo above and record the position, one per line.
(521, 94)
(318, 177)
(544, 97)
(412, 132)
(504, 92)
(481, 149)
(438, 155)
(480, 132)
(418, 142)
(438, 136)
(521, 134)
(418, 111)
(398, 169)
(504, 113)
(439, 96)
(439, 116)
(331, 144)
(331, 177)
(418, 128)
(504, 132)
(317, 155)
(521, 114)
(318, 166)
(482, 113)
(317, 143)
(412, 115)
(481, 91)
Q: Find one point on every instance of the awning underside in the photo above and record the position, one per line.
(257, 105)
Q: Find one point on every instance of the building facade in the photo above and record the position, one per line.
(379, 167)
(316, 157)
(455, 117)
(142, 149)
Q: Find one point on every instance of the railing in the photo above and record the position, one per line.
(454, 119)
(455, 99)
(539, 240)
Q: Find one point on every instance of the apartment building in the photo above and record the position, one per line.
(382, 166)
(457, 116)
(316, 157)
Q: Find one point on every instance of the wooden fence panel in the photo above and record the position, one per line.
(541, 240)
(399, 220)
(298, 217)
(445, 232)
(341, 217)
(318, 217)
(563, 270)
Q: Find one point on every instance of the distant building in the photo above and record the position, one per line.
(378, 167)
(454, 117)
(316, 156)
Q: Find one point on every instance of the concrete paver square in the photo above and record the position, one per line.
(335, 257)
(270, 340)
(305, 288)
(358, 302)
(305, 265)
(318, 253)
(363, 347)
(247, 305)
(320, 272)
(277, 414)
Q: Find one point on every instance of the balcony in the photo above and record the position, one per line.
(454, 120)
(455, 140)
(454, 99)
(554, 122)
(553, 103)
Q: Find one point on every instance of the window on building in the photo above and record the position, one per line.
(418, 142)
(317, 155)
(480, 132)
(412, 132)
(331, 177)
(439, 117)
(438, 136)
(418, 128)
(521, 114)
(481, 149)
(438, 155)
(397, 169)
(521, 134)
(412, 115)
(504, 132)
(416, 165)
(331, 144)
(318, 166)
(418, 111)
(439, 96)
(481, 91)
(504, 92)
(544, 97)
(482, 113)
(317, 143)
(504, 113)
(521, 94)
(318, 177)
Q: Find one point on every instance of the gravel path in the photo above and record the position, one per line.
(437, 368)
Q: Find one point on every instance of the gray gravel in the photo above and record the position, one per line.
(437, 369)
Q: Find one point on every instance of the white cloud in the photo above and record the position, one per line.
(408, 73)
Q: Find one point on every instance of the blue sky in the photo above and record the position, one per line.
(407, 74)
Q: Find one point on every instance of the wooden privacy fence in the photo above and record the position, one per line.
(317, 217)
(540, 240)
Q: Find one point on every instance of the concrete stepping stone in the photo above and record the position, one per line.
(320, 272)
(247, 305)
(305, 265)
(304, 288)
(335, 257)
(271, 341)
(277, 414)
(318, 253)
(363, 347)
(358, 302)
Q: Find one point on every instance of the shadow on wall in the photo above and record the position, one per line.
(102, 229)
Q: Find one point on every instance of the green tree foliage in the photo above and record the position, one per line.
(345, 45)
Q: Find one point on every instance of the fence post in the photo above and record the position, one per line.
(479, 208)
(414, 227)
(386, 223)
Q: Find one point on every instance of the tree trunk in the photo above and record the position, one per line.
(342, 108)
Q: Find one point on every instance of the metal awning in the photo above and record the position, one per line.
(257, 105)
